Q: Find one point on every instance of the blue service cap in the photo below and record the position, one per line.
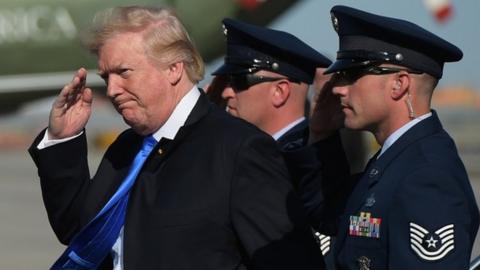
(252, 48)
(368, 39)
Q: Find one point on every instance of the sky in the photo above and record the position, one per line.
(309, 20)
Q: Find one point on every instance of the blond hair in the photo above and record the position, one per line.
(166, 40)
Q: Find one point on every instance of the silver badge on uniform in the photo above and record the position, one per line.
(364, 263)
(432, 246)
(334, 22)
(370, 200)
(373, 172)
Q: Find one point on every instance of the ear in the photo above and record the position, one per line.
(400, 85)
(280, 93)
(175, 72)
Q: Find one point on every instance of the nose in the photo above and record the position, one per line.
(112, 87)
(228, 93)
(339, 90)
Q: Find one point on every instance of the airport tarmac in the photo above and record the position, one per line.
(26, 240)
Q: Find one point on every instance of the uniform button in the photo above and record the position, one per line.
(364, 263)
(370, 200)
(160, 151)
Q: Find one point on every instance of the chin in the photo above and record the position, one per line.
(233, 112)
(141, 129)
(349, 123)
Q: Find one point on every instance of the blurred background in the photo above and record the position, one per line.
(40, 49)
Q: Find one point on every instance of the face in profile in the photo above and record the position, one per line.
(363, 97)
(247, 96)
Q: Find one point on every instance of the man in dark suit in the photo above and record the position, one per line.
(264, 80)
(413, 207)
(182, 199)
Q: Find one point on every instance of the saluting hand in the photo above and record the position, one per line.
(327, 116)
(71, 109)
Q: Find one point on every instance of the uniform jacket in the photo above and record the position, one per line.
(216, 197)
(413, 207)
(298, 135)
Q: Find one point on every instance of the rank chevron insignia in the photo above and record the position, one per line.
(324, 242)
(431, 246)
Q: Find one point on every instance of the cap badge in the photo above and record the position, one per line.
(334, 22)
(225, 30)
(432, 246)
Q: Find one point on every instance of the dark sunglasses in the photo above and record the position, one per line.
(241, 82)
(352, 75)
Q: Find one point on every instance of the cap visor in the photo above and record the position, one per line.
(343, 64)
(227, 69)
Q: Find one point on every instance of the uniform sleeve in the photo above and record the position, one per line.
(322, 179)
(267, 216)
(430, 228)
(64, 174)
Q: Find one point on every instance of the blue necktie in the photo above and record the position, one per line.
(93, 243)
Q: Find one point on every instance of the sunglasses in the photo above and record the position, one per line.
(352, 75)
(241, 82)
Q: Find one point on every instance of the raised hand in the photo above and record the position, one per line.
(327, 116)
(72, 108)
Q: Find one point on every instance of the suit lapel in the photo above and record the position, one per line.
(201, 108)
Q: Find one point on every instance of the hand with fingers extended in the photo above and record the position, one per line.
(327, 116)
(71, 109)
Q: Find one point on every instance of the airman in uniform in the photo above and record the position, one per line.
(413, 207)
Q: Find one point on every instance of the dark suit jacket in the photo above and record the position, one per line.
(216, 197)
(312, 191)
(419, 189)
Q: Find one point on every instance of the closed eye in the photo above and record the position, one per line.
(124, 72)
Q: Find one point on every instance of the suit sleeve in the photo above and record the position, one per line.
(64, 175)
(267, 216)
(431, 228)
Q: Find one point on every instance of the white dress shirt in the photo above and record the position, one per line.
(284, 130)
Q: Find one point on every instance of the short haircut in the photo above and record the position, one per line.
(166, 40)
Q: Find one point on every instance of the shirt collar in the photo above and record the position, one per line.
(399, 132)
(284, 130)
(179, 116)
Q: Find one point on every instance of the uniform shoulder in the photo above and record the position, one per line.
(222, 122)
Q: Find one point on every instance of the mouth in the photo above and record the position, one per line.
(346, 107)
(121, 104)
(231, 110)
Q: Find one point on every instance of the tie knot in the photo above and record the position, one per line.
(148, 145)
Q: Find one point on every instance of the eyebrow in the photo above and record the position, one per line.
(117, 69)
(102, 74)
